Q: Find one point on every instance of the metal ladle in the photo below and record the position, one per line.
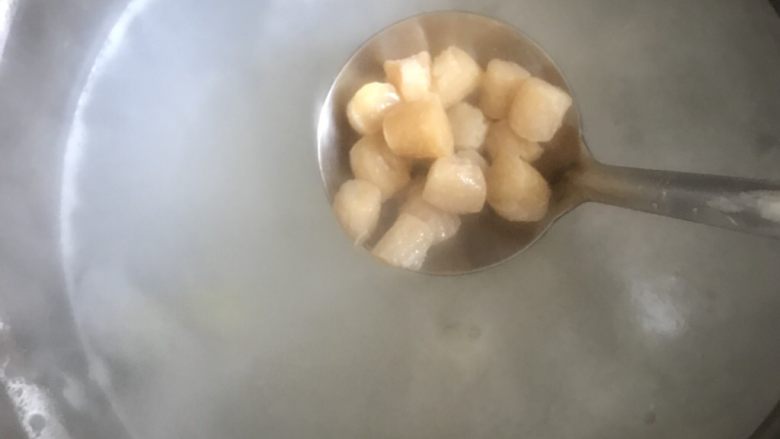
(575, 177)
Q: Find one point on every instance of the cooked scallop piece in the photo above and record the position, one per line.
(500, 138)
(444, 225)
(454, 75)
(499, 85)
(411, 76)
(456, 185)
(357, 205)
(475, 157)
(368, 106)
(373, 161)
(538, 109)
(516, 190)
(419, 129)
(468, 126)
(406, 243)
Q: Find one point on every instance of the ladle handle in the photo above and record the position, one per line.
(742, 204)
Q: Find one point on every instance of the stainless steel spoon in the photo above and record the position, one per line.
(575, 176)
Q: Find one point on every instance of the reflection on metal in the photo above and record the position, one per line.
(77, 138)
(73, 156)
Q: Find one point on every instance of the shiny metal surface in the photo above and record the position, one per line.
(484, 239)
(741, 204)
(575, 177)
(170, 266)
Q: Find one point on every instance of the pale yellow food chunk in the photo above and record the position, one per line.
(368, 106)
(499, 85)
(516, 191)
(373, 161)
(454, 75)
(357, 205)
(501, 139)
(475, 157)
(456, 185)
(419, 129)
(443, 225)
(468, 126)
(406, 243)
(538, 109)
(411, 76)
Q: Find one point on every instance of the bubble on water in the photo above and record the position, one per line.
(37, 423)
(34, 409)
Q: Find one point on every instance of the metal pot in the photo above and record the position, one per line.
(169, 266)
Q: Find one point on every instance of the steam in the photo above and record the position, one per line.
(7, 10)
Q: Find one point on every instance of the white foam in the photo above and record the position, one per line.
(767, 203)
(30, 401)
(725, 205)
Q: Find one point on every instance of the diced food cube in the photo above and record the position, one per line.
(516, 191)
(456, 185)
(443, 225)
(501, 139)
(357, 205)
(373, 161)
(411, 76)
(499, 85)
(468, 125)
(419, 129)
(454, 75)
(406, 243)
(537, 110)
(368, 106)
(475, 157)
(424, 120)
